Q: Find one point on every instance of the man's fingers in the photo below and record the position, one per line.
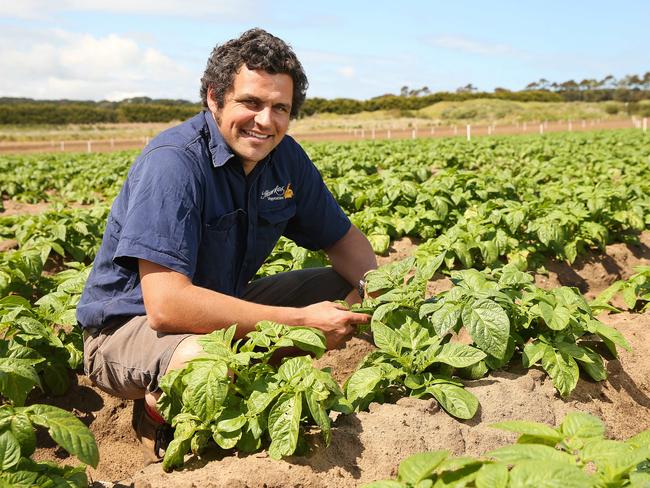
(358, 318)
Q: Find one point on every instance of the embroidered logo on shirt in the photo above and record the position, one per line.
(277, 193)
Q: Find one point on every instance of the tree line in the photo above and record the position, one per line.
(630, 89)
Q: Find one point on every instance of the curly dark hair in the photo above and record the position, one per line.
(257, 49)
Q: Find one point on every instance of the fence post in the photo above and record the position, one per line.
(469, 132)
(541, 128)
(387, 133)
(645, 124)
(88, 146)
(62, 145)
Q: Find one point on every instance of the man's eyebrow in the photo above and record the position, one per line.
(256, 99)
(248, 96)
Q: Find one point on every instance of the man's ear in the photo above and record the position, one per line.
(212, 103)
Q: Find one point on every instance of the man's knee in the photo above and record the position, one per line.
(188, 349)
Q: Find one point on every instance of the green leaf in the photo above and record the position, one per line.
(308, 339)
(67, 431)
(489, 326)
(533, 353)
(24, 433)
(459, 355)
(548, 474)
(181, 445)
(456, 401)
(362, 382)
(609, 334)
(56, 377)
(379, 242)
(516, 453)
(17, 378)
(555, 318)
(474, 372)
(260, 399)
(562, 369)
(386, 339)
(420, 466)
(640, 440)
(629, 295)
(582, 425)
(596, 368)
(511, 276)
(445, 318)
(206, 386)
(530, 428)
(492, 476)
(9, 450)
(295, 368)
(319, 414)
(284, 425)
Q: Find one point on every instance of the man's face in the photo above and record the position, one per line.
(255, 114)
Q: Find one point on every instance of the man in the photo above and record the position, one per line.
(201, 209)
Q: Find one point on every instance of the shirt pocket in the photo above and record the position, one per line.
(220, 252)
(271, 224)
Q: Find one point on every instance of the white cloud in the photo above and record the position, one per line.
(463, 44)
(347, 72)
(62, 64)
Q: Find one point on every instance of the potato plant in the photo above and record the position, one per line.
(575, 454)
(235, 397)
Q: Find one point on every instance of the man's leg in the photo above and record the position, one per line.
(299, 288)
(128, 361)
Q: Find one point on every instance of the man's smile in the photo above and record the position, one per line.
(256, 135)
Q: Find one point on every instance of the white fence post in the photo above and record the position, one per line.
(469, 132)
(88, 146)
(541, 128)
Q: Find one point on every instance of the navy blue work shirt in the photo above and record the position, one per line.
(188, 206)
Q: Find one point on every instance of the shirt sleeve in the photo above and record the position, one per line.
(162, 222)
(319, 221)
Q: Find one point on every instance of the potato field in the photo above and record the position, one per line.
(509, 344)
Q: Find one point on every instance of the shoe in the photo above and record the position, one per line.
(154, 437)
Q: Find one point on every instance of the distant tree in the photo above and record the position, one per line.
(469, 88)
(404, 91)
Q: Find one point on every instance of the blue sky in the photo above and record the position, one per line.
(85, 49)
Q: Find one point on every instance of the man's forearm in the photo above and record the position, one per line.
(352, 256)
(174, 305)
(197, 310)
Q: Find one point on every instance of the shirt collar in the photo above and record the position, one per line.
(221, 152)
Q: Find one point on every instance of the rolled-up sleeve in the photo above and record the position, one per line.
(319, 221)
(162, 221)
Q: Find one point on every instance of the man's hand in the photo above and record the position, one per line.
(334, 320)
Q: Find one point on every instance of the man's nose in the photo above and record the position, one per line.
(263, 117)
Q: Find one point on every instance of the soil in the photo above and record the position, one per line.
(369, 445)
(11, 207)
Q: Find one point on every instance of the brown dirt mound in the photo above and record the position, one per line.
(370, 445)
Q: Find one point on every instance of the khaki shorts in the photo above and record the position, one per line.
(127, 358)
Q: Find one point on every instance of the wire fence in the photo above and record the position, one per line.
(467, 131)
